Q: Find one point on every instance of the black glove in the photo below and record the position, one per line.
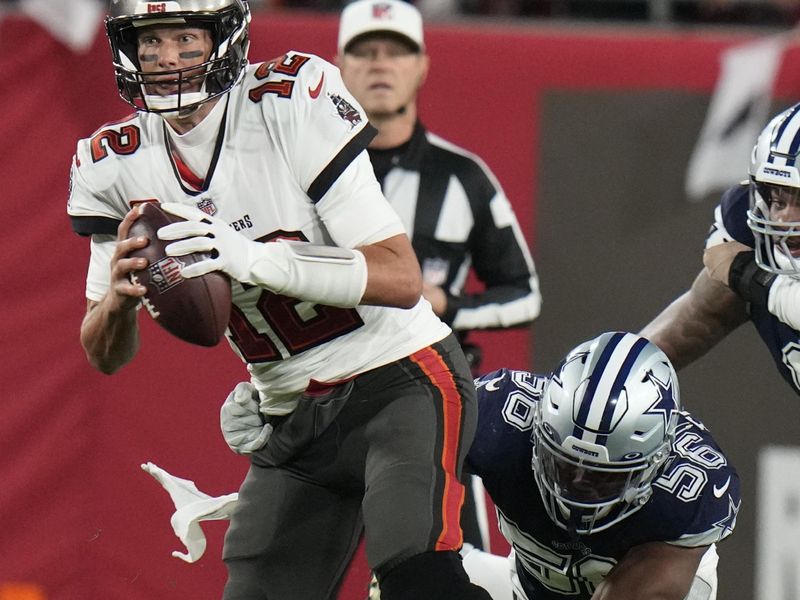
(750, 282)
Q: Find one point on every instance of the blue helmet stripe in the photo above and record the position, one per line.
(619, 384)
(594, 380)
(794, 146)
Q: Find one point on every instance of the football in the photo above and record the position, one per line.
(195, 310)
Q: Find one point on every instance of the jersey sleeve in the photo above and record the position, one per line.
(698, 492)
(500, 257)
(319, 125)
(506, 401)
(354, 209)
(91, 207)
(730, 218)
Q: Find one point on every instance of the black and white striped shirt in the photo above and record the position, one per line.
(458, 217)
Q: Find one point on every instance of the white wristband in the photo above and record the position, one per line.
(326, 275)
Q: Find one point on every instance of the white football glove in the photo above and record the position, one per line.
(231, 252)
(316, 273)
(240, 420)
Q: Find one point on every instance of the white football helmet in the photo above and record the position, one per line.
(603, 430)
(774, 176)
(227, 21)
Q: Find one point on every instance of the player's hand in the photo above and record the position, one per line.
(242, 424)
(718, 259)
(436, 296)
(229, 250)
(124, 294)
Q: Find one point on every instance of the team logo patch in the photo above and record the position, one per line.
(166, 273)
(346, 110)
(207, 206)
(434, 271)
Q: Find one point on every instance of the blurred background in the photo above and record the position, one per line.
(613, 127)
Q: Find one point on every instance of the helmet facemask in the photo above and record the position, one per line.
(603, 431)
(195, 85)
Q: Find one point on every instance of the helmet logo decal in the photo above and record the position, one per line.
(665, 404)
(382, 10)
(616, 360)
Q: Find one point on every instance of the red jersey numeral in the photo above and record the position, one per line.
(298, 325)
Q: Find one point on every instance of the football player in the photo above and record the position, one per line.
(628, 494)
(751, 262)
(604, 487)
(267, 165)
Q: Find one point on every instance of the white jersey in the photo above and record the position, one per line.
(290, 163)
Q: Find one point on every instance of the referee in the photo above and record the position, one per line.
(452, 206)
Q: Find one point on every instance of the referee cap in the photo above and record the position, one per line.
(369, 16)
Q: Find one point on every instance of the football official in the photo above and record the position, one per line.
(452, 206)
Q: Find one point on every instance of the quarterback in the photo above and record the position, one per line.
(368, 399)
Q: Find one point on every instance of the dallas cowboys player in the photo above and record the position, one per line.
(628, 494)
(752, 262)
(266, 164)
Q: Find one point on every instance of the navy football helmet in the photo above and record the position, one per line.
(774, 177)
(603, 431)
(227, 22)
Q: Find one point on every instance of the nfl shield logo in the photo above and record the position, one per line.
(434, 271)
(166, 273)
(207, 206)
(381, 11)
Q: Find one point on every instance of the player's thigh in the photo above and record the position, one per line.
(416, 446)
(288, 538)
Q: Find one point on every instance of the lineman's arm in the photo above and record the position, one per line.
(652, 571)
(109, 331)
(696, 321)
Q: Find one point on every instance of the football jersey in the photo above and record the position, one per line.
(695, 500)
(289, 162)
(783, 341)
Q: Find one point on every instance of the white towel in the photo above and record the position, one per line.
(191, 507)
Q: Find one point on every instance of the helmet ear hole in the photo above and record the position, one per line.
(603, 431)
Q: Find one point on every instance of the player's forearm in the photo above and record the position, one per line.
(393, 275)
(695, 322)
(110, 338)
(498, 307)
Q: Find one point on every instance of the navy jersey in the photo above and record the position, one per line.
(782, 340)
(694, 503)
